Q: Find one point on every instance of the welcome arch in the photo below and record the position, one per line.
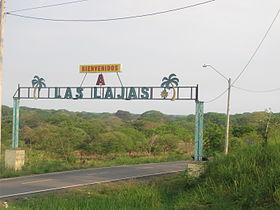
(168, 90)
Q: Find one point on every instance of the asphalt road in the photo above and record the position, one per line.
(19, 186)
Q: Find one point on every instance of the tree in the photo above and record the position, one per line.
(217, 118)
(183, 134)
(168, 83)
(154, 116)
(241, 130)
(167, 143)
(124, 115)
(27, 135)
(70, 140)
(135, 140)
(213, 138)
(111, 142)
(151, 143)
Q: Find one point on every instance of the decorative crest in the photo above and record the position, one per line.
(37, 83)
(169, 83)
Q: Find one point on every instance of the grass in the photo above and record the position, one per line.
(38, 164)
(132, 195)
(246, 179)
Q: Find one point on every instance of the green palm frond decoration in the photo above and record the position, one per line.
(170, 83)
(37, 83)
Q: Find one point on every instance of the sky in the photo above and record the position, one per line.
(223, 33)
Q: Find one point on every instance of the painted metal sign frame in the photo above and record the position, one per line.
(100, 68)
(169, 90)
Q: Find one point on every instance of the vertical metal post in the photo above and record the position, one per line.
(198, 130)
(196, 93)
(15, 124)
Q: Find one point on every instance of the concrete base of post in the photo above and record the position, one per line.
(195, 169)
(14, 159)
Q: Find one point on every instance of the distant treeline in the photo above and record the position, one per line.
(64, 134)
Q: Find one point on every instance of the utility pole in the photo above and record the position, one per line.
(2, 14)
(228, 105)
(227, 128)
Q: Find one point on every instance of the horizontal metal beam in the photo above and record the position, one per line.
(108, 93)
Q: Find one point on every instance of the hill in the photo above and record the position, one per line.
(79, 139)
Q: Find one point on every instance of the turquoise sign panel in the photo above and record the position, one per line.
(168, 90)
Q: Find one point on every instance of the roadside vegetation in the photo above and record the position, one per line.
(248, 178)
(62, 140)
(57, 140)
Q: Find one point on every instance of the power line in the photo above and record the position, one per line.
(110, 19)
(216, 98)
(257, 49)
(46, 6)
(243, 89)
(251, 58)
(257, 91)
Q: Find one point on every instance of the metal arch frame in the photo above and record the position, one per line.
(193, 96)
(183, 92)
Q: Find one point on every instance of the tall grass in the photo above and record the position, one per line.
(246, 179)
(129, 196)
(125, 198)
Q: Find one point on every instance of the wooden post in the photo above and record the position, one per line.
(2, 13)
(227, 128)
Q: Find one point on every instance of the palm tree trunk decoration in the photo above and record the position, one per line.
(174, 93)
(37, 83)
(168, 83)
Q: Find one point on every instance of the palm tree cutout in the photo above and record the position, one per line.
(37, 83)
(168, 83)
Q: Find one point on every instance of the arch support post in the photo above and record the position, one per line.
(14, 157)
(15, 139)
(199, 112)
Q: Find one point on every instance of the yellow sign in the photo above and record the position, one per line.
(100, 68)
